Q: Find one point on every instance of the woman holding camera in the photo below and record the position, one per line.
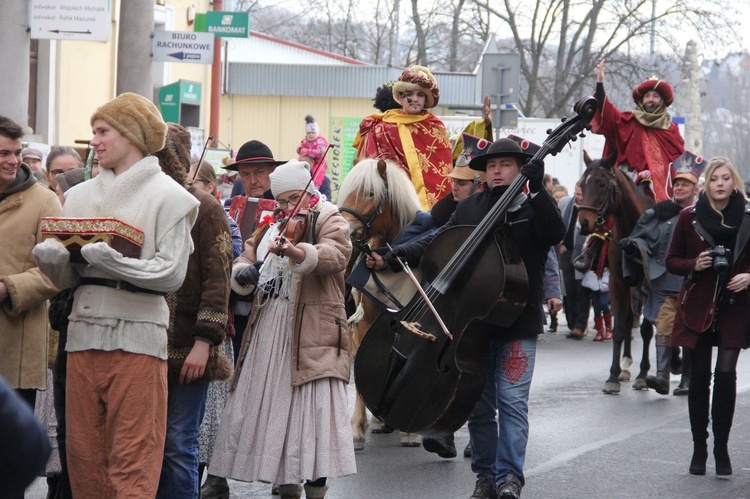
(709, 248)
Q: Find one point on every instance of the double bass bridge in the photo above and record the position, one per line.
(413, 327)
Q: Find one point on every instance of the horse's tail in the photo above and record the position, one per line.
(353, 324)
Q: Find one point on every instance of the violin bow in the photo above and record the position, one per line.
(203, 154)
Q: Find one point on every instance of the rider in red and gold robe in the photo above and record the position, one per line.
(412, 136)
(646, 139)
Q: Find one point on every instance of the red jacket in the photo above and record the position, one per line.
(733, 315)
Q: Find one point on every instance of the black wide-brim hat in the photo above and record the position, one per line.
(251, 153)
(501, 148)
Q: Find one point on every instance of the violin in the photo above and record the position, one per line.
(294, 228)
(416, 369)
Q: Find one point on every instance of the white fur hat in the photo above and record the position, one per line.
(291, 176)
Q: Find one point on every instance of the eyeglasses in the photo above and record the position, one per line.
(292, 200)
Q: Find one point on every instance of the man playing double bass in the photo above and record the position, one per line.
(534, 223)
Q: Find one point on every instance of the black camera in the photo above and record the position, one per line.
(721, 256)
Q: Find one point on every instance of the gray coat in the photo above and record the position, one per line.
(645, 250)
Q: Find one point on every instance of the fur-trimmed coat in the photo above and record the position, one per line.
(320, 339)
(23, 315)
(198, 310)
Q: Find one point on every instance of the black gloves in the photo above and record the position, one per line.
(391, 258)
(534, 171)
(249, 275)
(407, 253)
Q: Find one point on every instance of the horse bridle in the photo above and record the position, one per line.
(361, 235)
(600, 224)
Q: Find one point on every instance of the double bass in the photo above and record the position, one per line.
(415, 368)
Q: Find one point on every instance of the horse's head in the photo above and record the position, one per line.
(600, 194)
(377, 199)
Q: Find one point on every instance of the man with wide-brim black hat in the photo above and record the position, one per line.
(255, 162)
(534, 223)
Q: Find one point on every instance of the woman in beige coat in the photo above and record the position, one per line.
(286, 420)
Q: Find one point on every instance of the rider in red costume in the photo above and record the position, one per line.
(646, 139)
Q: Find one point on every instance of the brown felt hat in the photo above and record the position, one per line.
(137, 118)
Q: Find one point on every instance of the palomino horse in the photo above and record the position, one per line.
(378, 200)
(611, 206)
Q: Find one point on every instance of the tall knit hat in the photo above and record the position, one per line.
(137, 118)
(291, 176)
(418, 78)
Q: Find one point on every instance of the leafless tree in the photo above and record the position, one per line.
(726, 107)
(561, 41)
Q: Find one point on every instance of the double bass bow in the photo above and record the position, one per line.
(409, 371)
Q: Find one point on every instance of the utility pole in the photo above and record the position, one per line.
(213, 127)
(393, 59)
(15, 55)
(652, 54)
(691, 82)
(134, 48)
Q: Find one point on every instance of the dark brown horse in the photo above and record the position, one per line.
(611, 206)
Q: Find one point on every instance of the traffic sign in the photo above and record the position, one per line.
(224, 24)
(183, 46)
(70, 20)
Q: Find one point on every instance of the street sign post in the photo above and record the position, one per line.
(183, 46)
(87, 20)
(224, 24)
(500, 79)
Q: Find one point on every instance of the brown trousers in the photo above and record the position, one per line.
(665, 317)
(116, 414)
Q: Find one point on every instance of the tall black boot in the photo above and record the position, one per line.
(698, 411)
(684, 386)
(660, 382)
(722, 413)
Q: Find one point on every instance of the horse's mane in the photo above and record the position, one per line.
(364, 179)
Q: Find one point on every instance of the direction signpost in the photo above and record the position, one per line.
(183, 46)
(70, 20)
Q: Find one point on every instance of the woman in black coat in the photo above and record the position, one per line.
(716, 310)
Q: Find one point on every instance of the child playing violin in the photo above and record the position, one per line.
(286, 420)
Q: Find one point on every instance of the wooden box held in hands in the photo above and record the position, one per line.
(73, 233)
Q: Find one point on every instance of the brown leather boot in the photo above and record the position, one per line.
(607, 326)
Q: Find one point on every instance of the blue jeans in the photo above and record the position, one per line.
(498, 444)
(186, 404)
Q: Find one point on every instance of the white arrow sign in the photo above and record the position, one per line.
(70, 20)
(183, 46)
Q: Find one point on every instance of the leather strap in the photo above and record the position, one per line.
(113, 283)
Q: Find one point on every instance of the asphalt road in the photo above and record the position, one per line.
(582, 443)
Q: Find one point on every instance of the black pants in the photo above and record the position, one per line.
(577, 298)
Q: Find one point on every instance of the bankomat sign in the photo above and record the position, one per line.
(224, 24)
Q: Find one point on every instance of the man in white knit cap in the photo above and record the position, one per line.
(117, 342)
